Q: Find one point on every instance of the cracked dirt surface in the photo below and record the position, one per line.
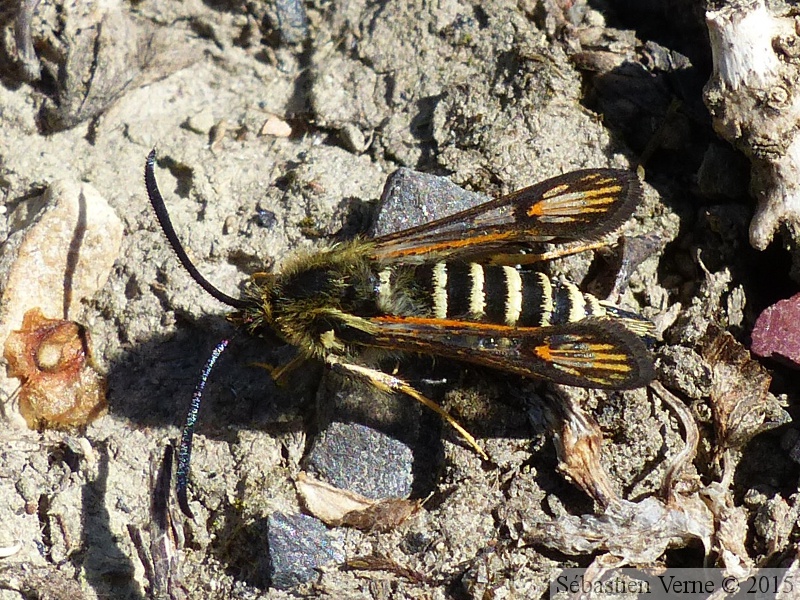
(493, 95)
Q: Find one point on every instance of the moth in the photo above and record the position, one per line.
(459, 287)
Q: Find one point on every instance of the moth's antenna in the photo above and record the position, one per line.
(185, 450)
(162, 215)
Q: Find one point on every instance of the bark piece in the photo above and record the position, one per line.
(755, 105)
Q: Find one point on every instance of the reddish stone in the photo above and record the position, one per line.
(777, 331)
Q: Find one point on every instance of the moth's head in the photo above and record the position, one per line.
(256, 314)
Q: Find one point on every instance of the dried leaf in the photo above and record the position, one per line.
(384, 515)
(53, 358)
(166, 537)
(338, 507)
(578, 442)
(739, 387)
(382, 563)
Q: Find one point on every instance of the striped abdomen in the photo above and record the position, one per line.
(490, 294)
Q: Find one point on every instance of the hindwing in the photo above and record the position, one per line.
(594, 353)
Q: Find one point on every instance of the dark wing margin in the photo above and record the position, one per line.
(580, 205)
(593, 353)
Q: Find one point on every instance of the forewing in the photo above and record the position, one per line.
(594, 353)
(581, 205)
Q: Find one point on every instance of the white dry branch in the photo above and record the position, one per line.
(754, 100)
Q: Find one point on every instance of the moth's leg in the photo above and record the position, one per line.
(390, 383)
(280, 372)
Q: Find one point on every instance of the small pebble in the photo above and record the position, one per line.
(355, 457)
(297, 547)
(292, 21)
(276, 127)
(411, 198)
